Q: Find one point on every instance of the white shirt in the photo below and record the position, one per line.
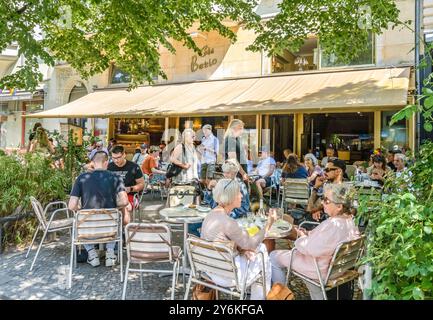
(139, 158)
(264, 166)
(212, 146)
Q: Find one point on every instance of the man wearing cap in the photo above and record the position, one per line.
(334, 173)
(265, 169)
(140, 157)
(209, 150)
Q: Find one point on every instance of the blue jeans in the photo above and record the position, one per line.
(193, 228)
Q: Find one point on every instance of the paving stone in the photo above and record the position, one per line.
(48, 280)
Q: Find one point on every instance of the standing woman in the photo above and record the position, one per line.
(313, 169)
(32, 135)
(234, 148)
(185, 156)
(41, 143)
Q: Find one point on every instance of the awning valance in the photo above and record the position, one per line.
(341, 90)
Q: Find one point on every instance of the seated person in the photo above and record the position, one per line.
(219, 227)
(334, 174)
(321, 242)
(293, 169)
(230, 170)
(378, 175)
(150, 166)
(379, 162)
(99, 189)
(330, 153)
(265, 169)
(313, 169)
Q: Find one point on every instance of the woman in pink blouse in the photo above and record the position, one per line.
(321, 242)
(219, 226)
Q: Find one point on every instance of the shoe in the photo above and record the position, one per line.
(110, 258)
(93, 258)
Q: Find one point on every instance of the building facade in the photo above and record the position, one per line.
(310, 121)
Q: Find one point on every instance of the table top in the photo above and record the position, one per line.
(280, 229)
(183, 214)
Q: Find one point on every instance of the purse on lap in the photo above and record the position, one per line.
(280, 292)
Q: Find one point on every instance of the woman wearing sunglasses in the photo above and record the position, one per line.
(320, 242)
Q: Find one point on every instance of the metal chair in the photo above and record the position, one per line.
(48, 226)
(150, 243)
(180, 195)
(296, 191)
(342, 267)
(217, 258)
(350, 171)
(96, 226)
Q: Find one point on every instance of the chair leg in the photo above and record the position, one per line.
(33, 241)
(141, 278)
(39, 249)
(187, 287)
(174, 277)
(120, 254)
(125, 283)
(71, 261)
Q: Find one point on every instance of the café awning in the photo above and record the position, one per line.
(348, 90)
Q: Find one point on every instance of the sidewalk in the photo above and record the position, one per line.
(48, 279)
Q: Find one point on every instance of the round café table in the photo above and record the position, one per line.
(279, 230)
(184, 215)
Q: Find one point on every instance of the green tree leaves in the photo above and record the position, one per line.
(92, 34)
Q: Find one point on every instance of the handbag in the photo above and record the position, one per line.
(200, 292)
(280, 292)
(173, 169)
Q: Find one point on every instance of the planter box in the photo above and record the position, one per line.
(344, 155)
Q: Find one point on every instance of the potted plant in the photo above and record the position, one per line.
(342, 149)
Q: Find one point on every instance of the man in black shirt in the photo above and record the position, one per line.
(99, 189)
(131, 175)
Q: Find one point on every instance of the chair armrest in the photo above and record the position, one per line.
(309, 222)
(54, 214)
(54, 203)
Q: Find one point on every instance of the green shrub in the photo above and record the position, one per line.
(400, 237)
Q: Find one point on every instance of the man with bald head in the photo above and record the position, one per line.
(99, 189)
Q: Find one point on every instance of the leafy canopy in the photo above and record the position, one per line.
(92, 34)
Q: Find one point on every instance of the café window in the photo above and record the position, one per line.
(366, 57)
(302, 60)
(119, 76)
(397, 134)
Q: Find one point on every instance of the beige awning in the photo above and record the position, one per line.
(308, 92)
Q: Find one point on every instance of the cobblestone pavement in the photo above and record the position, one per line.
(48, 279)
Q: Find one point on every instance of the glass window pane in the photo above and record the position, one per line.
(393, 135)
(366, 57)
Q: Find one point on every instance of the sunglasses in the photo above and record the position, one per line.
(326, 200)
(330, 169)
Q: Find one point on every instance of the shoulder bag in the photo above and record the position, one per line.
(173, 169)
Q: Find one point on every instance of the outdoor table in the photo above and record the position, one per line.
(185, 215)
(280, 229)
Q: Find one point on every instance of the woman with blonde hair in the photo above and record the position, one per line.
(219, 226)
(185, 156)
(234, 148)
(41, 142)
